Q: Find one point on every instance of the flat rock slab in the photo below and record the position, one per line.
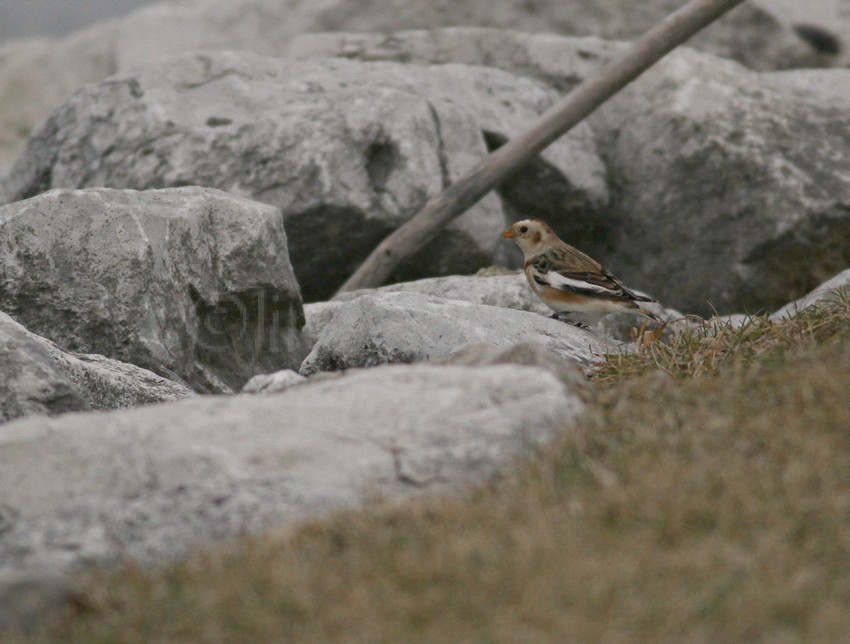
(394, 431)
(38, 377)
(192, 283)
(410, 327)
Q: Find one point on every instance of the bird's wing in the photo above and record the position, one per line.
(583, 277)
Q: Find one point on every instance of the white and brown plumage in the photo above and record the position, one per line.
(569, 282)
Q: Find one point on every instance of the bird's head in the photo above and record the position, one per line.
(530, 235)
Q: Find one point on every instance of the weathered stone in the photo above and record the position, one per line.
(348, 151)
(530, 354)
(191, 283)
(409, 327)
(728, 194)
(29, 381)
(822, 293)
(37, 75)
(560, 61)
(496, 288)
(39, 377)
(506, 290)
(156, 526)
(272, 383)
(153, 480)
(752, 35)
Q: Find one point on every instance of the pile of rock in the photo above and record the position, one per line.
(162, 230)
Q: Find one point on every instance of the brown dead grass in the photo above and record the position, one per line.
(681, 508)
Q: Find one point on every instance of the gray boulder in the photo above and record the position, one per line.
(29, 381)
(193, 284)
(409, 327)
(153, 481)
(36, 75)
(37, 377)
(727, 193)
(821, 294)
(272, 383)
(493, 287)
(750, 34)
(158, 525)
(560, 61)
(509, 290)
(348, 151)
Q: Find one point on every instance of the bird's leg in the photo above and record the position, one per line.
(557, 316)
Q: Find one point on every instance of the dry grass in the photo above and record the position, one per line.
(703, 509)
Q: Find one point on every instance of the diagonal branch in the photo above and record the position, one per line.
(498, 166)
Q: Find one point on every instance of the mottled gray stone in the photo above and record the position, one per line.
(193, 284)
(409, 327)
(271, 383)
(348, 151)
(36, 376)
(150, 482)
(729, 195)
(29, 381)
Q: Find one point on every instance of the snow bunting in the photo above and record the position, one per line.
(569, 282)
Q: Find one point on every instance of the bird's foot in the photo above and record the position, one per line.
(562, 318)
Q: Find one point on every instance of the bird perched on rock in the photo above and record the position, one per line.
(576, 287)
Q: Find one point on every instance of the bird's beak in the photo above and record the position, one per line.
(508, 234)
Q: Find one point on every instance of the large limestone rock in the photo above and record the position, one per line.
(150, 482)
(29, 382)
(751, 34)
(193, 284)
(410, 327)
(728, 193)
(37, 75)
(37, 377)
(348, 151)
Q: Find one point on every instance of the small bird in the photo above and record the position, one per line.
(576, 287)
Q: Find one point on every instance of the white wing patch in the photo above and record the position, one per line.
(562, 283)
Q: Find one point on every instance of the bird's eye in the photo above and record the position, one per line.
(523, 229)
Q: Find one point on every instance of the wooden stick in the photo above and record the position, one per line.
(555, 122)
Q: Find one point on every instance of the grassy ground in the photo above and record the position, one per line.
(704, 497)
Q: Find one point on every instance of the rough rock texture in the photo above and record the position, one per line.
(560, 61)
(272, 383)
(159, 525)
(36, 376)
(727, 194)
(152, 480)
(824, 24)
(37, 75)
(509, 291)
(821, 293)
(191, 283)
(347, 150)
(825, 87)
(409, 327)
(749, 34)
(29, 381)
(490, 287)
(530, 354)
